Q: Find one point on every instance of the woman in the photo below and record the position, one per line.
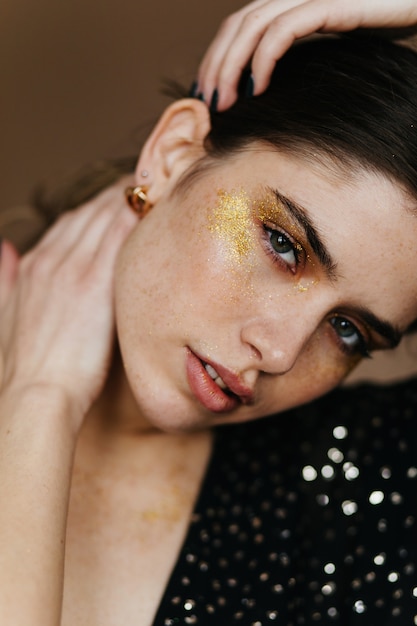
(251, 285)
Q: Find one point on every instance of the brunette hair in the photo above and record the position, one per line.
(351, 99)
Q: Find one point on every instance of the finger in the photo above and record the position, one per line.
(246, 40)
(113, 237)
(299, 22)
(76, 233)
(9, 268)
(210, 65)
(315, 16)
(111, 203)
(301, 19)
(71, 222)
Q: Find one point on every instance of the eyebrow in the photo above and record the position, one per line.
(313, 237)
(385, 329)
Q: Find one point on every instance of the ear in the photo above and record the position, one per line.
(174, 144)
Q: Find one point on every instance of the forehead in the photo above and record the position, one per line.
(367, 222)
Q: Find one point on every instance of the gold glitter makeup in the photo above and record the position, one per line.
(231, 221)
(269, 209)
(303, 287)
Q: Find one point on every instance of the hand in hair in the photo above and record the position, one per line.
(56, 308)
(264, 30)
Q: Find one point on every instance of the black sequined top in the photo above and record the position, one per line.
(307, 518)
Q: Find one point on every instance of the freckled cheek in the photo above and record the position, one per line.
(143, 293)
(233, 283)
(323, 363)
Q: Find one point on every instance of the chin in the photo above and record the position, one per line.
(171, 415)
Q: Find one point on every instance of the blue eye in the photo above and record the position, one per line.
(283, 247)
(351, 339)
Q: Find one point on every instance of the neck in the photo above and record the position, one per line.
(116, 411)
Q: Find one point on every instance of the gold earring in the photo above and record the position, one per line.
(137, 199)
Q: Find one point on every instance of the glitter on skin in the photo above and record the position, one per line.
(231, 218)
(303, 287)
(269, 209)
(231, 221)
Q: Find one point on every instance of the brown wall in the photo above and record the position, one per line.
(80, 77)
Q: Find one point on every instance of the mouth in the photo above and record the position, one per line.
(218, 389)
(214, 376)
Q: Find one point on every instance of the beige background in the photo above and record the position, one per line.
(80, 81)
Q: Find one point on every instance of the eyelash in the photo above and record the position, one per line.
(268, 232)
(360, 346)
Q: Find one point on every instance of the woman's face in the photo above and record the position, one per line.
(259, 286)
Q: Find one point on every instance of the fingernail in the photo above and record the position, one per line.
(193, 90)
(250, 87)
(214, 101)
(200, 96)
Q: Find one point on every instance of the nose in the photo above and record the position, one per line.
(276, 341)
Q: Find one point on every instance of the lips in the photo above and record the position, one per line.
(221, 395)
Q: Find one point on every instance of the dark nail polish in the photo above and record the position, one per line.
(214, 101)
(1, 245)
(250, 87)
(193, 90)
(200, 96)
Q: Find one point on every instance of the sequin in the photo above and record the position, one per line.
(327, 471)
(189, 605)
(351, 472)
(385, 473)
(340, 432)
(306, 518)
(335, 455)
(376, 497)
(309, 473)
(412, 472)
(328, 589)
(396, 498)
(349, 507)
(379, 559)
(393, 577)
(359, 606)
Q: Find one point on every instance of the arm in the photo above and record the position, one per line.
(36, 449)
(56, 337)
(263, 30)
